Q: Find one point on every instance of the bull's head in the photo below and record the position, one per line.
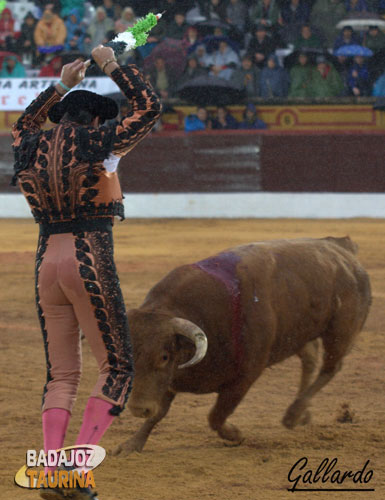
(161, 345)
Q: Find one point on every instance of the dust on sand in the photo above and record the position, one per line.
(183, 458)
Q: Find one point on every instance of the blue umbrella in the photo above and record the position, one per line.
(353, 50)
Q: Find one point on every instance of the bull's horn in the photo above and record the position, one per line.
(194, 333)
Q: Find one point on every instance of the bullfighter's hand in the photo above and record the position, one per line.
(102, 55)
(73, 73)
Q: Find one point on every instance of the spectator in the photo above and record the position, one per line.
(190, 37)
(12, 68)
(264, 12)
(307, 39)
(260, 46)
(177, 27)
(379, 86)
(326, 82)
(301, 77)
(7, 30)
(170, 8)
(109, 7)
(161, 78)
(294, 14)
(50, 32)
(274, 79)
(220, 31)
(127, 20)
(192, 70)
(26, 42)
(199, 121)
(99, 26)
(374, 39)
(222, 61)
(358, 78)
(54, 5)
(325, 15)
(53, 68)
(214, 9)
(236, 14)
(87, 44)
(343, 64)
(75, 32)
(251, 120)
(247, 77)
(67, 7)
(355, 6)
(207, 9)
(201, 54)
(346, 37)
(224, 120)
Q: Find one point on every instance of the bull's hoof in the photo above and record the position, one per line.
(305, 418)
(296, 414)
(231, 434)
(127, 448)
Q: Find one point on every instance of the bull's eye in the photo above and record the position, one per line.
(165, 357)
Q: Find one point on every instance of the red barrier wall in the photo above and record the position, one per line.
(339, 162)
(247, 161)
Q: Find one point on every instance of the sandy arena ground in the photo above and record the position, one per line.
(184, 459)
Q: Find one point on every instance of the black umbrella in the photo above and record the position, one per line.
(213, 23)
(312, 54)
(210, 90)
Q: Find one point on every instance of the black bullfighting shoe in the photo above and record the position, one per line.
(77, 493)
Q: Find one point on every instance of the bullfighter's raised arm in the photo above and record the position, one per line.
(35, 115)
(145, 110)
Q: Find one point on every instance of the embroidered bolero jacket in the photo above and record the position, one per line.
(61, 171)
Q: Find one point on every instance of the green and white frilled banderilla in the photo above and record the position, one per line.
(133, 37)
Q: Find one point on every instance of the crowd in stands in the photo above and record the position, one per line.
(223, 120)
(266, 48)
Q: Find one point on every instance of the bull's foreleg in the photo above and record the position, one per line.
(138, 440)
(228, 399)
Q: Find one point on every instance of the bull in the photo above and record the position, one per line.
(215, 325)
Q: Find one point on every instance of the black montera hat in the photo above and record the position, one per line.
(96, 104)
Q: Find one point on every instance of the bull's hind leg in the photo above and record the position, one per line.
(228, 399)
(337, 342)
(309, 357)
(138, 440)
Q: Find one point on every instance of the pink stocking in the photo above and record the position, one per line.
(55, 423)
(96, 420)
